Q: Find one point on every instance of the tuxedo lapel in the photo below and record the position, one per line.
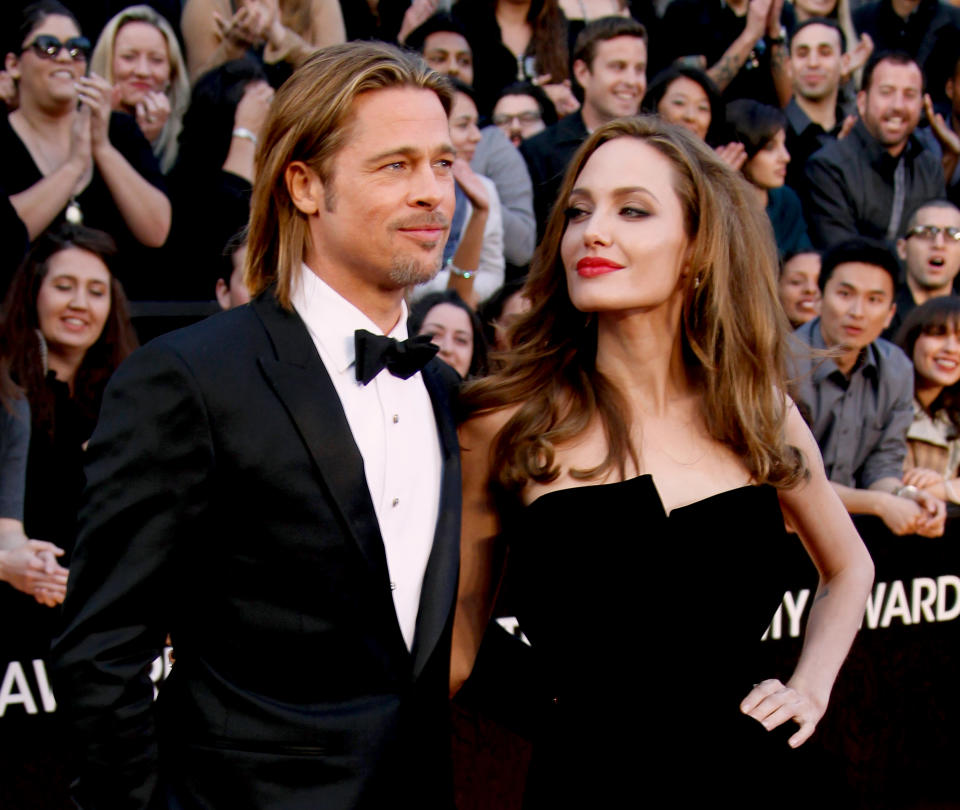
(440, 579)
(299, 378)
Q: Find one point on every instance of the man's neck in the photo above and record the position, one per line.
(923, 294)
(382, 306)
(845, 361)
(904, 8)
(738, 7)
(821, 111)
(591, 118)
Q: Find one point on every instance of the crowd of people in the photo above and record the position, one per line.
(130, 134)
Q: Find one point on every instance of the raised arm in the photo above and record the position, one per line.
(481, 552)
(846, 574)
(145, 208)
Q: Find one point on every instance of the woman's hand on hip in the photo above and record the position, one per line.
(771, 703)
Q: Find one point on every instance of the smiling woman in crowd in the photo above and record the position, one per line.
(930, 336)
(763, 132)
(139, 55)
(66, 157)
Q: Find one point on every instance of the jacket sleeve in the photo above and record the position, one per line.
(829, 209)
(147, 469)
(888, 453)
(504, 165)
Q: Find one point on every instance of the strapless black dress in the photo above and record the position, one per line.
(647, 631)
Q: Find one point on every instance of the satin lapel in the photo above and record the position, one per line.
(440, 579)
(299, 378)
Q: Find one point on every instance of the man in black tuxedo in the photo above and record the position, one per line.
(289, 512)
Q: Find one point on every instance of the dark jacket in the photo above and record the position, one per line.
(227, 505)
(548, 154)
(849, 189)
(918, 35)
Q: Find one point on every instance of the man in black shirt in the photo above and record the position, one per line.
(869, 183)
(814, 116)
(609, 64)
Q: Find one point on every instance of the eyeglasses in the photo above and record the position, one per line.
(48, 47)
(930, 232)
(528, 117)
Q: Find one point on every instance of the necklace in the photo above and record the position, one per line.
(73, 212)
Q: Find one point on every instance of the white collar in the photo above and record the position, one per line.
(332, 320)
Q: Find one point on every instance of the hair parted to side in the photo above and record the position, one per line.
(309, 120)
(734, 333)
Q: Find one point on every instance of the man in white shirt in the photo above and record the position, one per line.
(278, 488)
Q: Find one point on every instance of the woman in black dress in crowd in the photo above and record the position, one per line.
(66, 157)
(65, 329)
(639, 456)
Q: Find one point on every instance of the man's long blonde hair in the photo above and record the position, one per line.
(309, 121)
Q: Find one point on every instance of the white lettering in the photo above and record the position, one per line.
(945, 614)
(874, 603)
(923, 596)
(795, 610)
(46, 693)
(14, 677)
(775, 628)
(896, 605)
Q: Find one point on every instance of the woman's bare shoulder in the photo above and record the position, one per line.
(481, 428)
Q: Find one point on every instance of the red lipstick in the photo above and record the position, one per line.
(591, 266)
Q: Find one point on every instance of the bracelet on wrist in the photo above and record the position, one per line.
(246, 134)
(456, 271)
(907, 491)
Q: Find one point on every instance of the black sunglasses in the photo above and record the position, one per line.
(49, 47)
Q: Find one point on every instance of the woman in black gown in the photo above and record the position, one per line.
(639, 458)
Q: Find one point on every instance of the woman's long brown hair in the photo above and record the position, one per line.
(20, 345)
(734, 333)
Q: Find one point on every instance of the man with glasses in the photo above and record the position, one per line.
(930, 251)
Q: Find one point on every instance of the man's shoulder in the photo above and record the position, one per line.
(568, 130)
(892, 360)
(216, 340)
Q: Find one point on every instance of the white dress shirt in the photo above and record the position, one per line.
(395, 430)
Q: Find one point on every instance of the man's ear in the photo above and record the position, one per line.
(304, 187)
(902, 249)
(893, 311)
(581, 72)
(861, 103)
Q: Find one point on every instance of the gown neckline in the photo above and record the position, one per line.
(647, 478)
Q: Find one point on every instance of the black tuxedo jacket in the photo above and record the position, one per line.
(227, 504)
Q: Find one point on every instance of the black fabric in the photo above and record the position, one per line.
(849, 187)
(139, 268)
(547, 155)
(918, 35)
(402, 358)
(227, 504)
(611, 593)
(707, 28)
(786, 217)
(804, 138)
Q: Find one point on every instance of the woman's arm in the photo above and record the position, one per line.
(144, 208)
(40, 204)
(206, 46)
(846, 576)
(481, 552)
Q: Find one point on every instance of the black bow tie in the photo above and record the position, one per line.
(402, 358)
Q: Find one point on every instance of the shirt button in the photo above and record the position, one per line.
(395, 501)
(393, 586)
(396, 418)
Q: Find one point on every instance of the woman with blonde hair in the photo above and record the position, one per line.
(638, 456)
(138, 53)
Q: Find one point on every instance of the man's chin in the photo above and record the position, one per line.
(409, 272)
